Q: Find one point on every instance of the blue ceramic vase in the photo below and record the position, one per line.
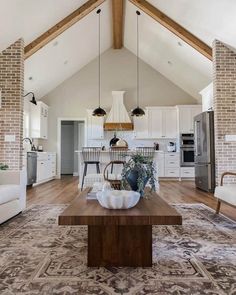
(132, 180)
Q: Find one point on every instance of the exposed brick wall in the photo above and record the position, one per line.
(11, 112)
(224, 89)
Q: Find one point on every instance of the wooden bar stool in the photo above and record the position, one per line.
(90, 156)
(117, 156)
(147, 152)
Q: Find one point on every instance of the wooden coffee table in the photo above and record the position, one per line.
(120, 237)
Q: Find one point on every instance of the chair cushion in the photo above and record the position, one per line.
(9, 192)
(226, 193)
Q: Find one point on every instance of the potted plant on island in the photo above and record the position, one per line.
(137, 172)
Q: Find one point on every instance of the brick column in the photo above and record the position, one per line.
(11, 112)
(224, 85)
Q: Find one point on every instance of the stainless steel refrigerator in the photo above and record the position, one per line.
(204, 151)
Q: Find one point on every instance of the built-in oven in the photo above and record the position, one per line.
(187, 140)
(186, 157)
(187, 150)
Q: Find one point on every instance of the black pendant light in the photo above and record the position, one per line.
(138, 112)
(33, 100)
(99, 112)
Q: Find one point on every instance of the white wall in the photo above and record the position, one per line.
(80, 92)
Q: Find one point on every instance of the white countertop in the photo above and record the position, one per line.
(131, 151)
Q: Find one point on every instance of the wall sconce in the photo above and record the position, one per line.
(33, 100)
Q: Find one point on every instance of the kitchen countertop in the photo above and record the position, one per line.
(131, 151)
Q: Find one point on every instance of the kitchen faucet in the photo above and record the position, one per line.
(30, 141)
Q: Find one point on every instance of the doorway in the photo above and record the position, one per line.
(71, 140)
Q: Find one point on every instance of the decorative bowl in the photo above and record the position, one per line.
(116, 199)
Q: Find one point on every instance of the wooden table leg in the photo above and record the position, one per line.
(121, 245)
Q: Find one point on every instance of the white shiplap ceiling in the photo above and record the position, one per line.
(50, 66)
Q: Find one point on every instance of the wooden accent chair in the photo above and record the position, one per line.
(226, 193)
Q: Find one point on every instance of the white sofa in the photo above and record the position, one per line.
(225, 193)
(12, 194)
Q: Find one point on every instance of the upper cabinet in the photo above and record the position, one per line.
(158, 122)
(95, 126)
(207, 98)
(166, 122)
(169, 122)
(155, 122)
(39, 120)
(186, 114)
(161, 122)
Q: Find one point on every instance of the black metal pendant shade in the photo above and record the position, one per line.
(137, 112)
(33, 100)
(99, 112)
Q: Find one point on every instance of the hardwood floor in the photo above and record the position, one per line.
(63, 191)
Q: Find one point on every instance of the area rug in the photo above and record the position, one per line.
(39, 257)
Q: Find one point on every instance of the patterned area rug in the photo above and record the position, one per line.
(39, 257)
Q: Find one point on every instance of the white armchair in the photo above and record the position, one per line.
(226, 193)
(12, 194)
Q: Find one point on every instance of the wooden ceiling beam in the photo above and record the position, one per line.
(118, 23)
(174, 27)
(61, 26)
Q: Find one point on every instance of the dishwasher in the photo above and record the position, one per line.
(31, 168)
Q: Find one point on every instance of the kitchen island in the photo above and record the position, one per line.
(105, 159)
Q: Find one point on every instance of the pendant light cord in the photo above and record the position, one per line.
(138, 14)
(99, 58)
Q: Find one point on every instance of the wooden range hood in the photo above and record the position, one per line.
(118, 126)
(118, 118)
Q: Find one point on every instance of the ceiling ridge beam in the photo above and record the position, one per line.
(118, 23)
(61, 26)
(174, 27)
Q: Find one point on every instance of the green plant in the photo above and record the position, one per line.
(143, 165)
(3, 166)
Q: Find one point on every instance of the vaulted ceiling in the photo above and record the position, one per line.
(77, 46)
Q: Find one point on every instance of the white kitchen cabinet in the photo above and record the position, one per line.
(186, 114)
(172, 165)
(51, 165)
(207, 98)
(39, 120)
(95, 126)
(155, 121)
(162, 122)
(46, 166)
(187, 172)
(160, 161)
(42, 167)
(169, 122)
(141, 126)
(172, 160)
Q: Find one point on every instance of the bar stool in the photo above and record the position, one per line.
(117, 156)
(148, 152)
(90, 155)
